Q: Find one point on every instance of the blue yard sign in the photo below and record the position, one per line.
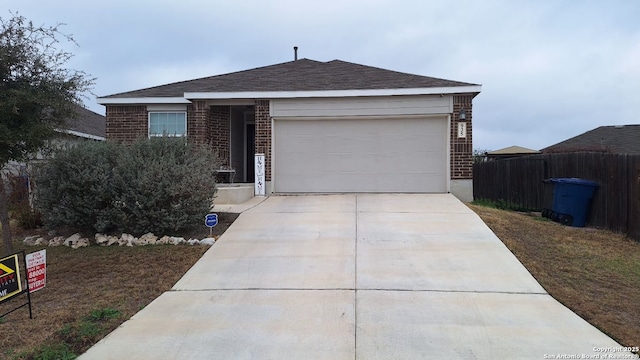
(211, 220)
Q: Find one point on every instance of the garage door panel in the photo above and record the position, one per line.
(347, 161)
(350, 182)
(363, 155)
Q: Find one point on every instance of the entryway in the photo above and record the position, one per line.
(242, 142)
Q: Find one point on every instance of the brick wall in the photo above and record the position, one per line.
(219, 129)
(212, 125)
(263, 134)
(204, 125)
(197, 122)
(461, 148)
(127, 123)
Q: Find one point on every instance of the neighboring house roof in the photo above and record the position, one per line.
(299, 75)
(87, 124)
(510, 152)
(618, 139)
(513, 150)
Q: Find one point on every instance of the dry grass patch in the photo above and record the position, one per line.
(595, 273)
(91, 291)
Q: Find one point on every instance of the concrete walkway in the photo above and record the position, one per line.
(381, 276)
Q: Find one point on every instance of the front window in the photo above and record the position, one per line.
(169, 123)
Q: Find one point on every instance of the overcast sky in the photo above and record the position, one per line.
(549, 69)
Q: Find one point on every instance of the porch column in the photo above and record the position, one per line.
(462, 147)
(220, 132)
(263, 134)
(197, 120)
(461, 183)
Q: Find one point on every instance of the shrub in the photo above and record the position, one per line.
(159, 185)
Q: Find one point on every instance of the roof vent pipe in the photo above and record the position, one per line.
(295, 53)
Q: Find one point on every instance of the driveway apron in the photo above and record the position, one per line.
(366, 276)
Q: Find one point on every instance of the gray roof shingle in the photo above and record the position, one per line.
(87, 122)
(299, 75)
(620, 139)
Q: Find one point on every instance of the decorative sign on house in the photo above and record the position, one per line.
(462, 130)
(259, 171)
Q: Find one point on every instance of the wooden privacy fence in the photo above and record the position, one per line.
(519, 183)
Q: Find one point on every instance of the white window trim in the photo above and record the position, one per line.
(186, 124)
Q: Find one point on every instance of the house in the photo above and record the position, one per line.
(617, 139)
(85, 125)
(323, 127)
(510, 152)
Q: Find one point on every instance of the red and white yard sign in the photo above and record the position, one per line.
(37, 270)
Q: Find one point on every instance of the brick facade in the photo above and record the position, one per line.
(211, 124)
(127, 123)
(197, 122)
(219, 129)
(263, 134)
(461, 148)
(205, 124)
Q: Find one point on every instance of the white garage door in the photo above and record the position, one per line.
(360, 155)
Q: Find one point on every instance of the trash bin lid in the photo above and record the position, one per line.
(574, 181)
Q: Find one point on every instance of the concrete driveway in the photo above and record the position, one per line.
(380, 276)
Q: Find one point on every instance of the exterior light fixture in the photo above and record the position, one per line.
(462, 125)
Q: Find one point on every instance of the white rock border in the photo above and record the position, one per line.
(76, 241)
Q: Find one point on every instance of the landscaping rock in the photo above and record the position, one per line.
(101, 239)
(174, 240)
(30, 240)
(82, 242)
(147, 239)
(163, 240)
(71, 240)
(106, 240)
(127, 240)
(112, 240)
(56, 241)
(76, 241)
(207, 241)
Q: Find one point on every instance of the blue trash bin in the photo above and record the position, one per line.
(572, 200)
